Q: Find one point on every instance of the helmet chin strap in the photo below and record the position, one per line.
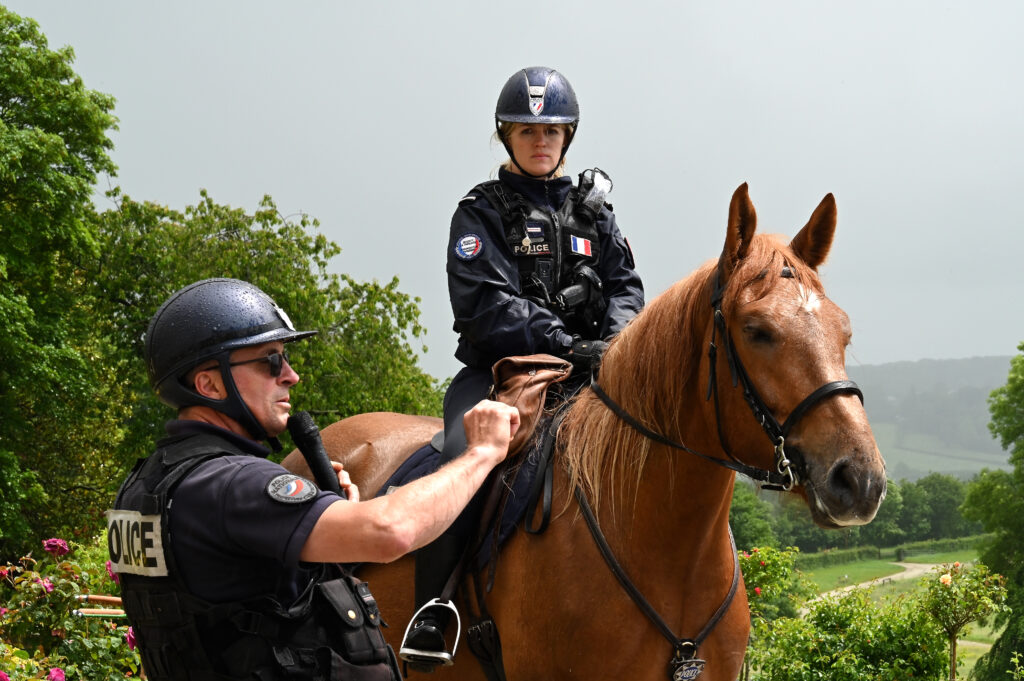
(235, 407)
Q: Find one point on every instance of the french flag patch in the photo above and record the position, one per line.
(580, 246)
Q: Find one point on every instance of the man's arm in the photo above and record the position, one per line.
(386, 528)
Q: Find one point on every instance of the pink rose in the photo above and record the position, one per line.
(57, 547)
(129, 636)
(56, 674)
(3, 611)
(757, 590)
(113, 575)
(4, 677)
(3, 573)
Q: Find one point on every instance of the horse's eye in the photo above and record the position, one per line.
(758, 334)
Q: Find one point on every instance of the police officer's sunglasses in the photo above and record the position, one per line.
(276, 361)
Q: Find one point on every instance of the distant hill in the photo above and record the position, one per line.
(932, 415)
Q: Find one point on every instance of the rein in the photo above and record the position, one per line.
(684, 664)
(685, 648)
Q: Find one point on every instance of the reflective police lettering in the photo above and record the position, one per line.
(533, 249)
(135, 543)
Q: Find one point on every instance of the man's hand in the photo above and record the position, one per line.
(350, 488)
(490, 427)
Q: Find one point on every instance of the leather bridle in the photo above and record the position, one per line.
(684, 663)
(784, 476)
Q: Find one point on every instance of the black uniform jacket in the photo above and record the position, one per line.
(492, 317)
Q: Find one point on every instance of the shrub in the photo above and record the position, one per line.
(42, 637)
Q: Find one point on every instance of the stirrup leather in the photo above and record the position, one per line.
(433, 657)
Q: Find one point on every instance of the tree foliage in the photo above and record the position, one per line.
(750, 518)
(846, 637)
(77, 288)
(956, 595)
(362, 359)
(53, 401)
(996, 499)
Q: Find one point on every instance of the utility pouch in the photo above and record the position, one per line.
(522, 382)
(360, 637)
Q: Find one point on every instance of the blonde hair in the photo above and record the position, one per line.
(505, 129)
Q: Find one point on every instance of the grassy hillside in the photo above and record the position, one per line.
(932, 415)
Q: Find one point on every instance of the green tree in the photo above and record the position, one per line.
(750, 518)
(915, 515)
(956, 595)
(945, 495)
(996, 499)
(361, 361)
(885, 529)
(53, 402)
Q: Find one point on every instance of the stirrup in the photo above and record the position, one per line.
(431, 657)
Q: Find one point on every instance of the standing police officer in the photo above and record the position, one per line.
(228, 562)
(536, 264)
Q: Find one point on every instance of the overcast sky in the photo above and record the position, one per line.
(375, 118)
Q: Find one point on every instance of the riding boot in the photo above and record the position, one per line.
(424, 646)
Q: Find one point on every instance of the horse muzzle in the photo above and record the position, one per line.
(847, 492)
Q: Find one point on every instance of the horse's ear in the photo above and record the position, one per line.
(813, 242)
(740, 231)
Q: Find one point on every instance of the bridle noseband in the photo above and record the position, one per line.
(784, 476)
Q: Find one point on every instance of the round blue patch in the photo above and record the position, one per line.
(468, 246)
(291, 489)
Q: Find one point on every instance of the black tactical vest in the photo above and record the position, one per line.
(330, 633)
(557, 253)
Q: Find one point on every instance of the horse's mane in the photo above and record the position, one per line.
(652, 363)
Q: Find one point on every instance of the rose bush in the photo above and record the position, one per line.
(41, 637)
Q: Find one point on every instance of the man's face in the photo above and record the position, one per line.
(265, 395)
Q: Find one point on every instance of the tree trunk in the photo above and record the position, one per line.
(952, 657)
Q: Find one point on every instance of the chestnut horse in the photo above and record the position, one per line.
(776, 340)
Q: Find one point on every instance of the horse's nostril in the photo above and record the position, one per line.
(842, 481)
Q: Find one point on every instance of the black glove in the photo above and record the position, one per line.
(586, 354)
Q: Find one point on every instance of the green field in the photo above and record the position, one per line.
(838, 576)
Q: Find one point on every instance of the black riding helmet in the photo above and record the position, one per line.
(206, 321)
(537, 94)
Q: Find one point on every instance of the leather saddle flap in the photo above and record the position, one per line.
(522, 382)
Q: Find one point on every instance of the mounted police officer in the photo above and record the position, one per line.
(228, 562)
(536, 264)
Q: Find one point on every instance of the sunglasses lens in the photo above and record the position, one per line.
(276, 362)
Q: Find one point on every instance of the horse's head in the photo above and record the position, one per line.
(774, 388)
(776, 323)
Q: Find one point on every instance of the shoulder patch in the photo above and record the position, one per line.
(467, 200)
(468, 246)
(291, 489)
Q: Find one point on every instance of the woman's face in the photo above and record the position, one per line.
(536, 147)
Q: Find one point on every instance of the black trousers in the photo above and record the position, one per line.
(436, 561)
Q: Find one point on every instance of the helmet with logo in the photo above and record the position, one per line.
(206, 321)
(537, 94)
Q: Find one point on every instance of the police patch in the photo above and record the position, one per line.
(291, 489)
(135, 543)
(468, 246)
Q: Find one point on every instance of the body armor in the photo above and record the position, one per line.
(557, 252)
(330, 632)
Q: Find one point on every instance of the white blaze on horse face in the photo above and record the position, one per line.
(812, 302)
